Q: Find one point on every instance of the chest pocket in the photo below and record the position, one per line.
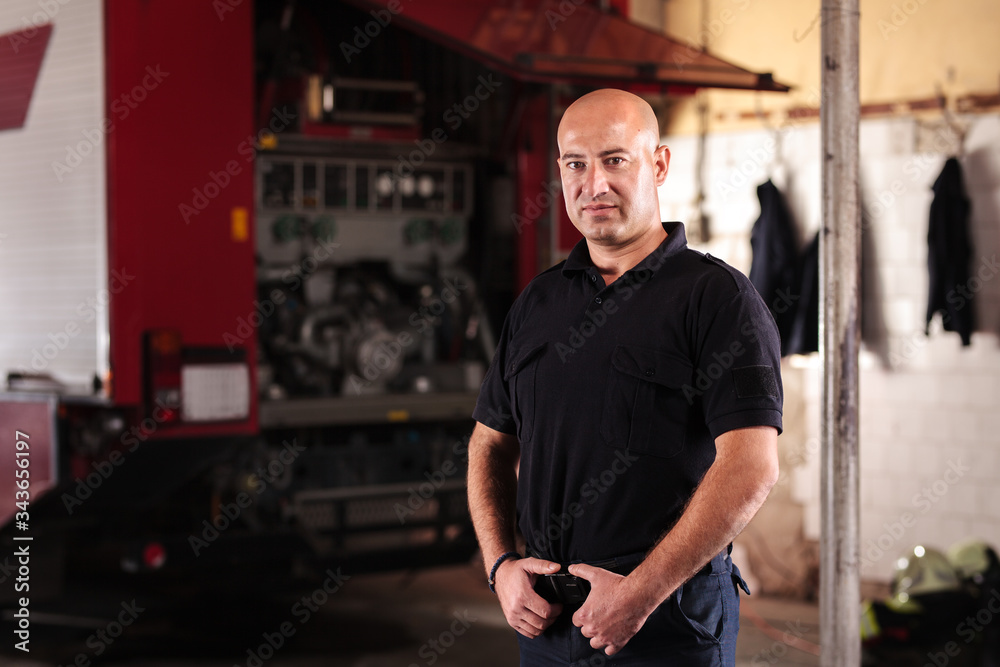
(520, 378)
(645, 409)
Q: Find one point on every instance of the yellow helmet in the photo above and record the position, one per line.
(921, 571)
(974, 560)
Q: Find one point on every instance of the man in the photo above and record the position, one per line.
(628, 423)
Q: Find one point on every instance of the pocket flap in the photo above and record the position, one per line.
(519, 358)
(664, 368)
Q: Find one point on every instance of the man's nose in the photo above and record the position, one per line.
(597, 182)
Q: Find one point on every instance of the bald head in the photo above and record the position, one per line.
(610, 105)
(611, 165)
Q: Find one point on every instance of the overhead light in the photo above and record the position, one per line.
(328, 97)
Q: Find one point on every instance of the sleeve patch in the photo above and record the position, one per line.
(751, 381)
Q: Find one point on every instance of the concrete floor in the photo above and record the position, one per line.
(445, 617)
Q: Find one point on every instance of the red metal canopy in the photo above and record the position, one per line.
(21, 54)
(560, 41)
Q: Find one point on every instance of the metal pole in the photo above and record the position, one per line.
(840, 252)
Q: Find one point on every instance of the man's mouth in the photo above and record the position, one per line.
(597, 208)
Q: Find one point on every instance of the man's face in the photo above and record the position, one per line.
(610, 168)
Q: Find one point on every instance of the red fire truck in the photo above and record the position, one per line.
(243, 257)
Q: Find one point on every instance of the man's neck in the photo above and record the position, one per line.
(613, 261)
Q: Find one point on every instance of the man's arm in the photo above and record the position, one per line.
(733, 489)
(492, 483)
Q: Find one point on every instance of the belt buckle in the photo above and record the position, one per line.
(565, 588)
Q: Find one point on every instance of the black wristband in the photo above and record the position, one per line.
(491, 582)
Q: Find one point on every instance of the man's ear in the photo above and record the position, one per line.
(661, 164)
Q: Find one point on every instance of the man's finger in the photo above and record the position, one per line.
(541, 607)
(533, 602)
(584, 571)
(531, 624)
(538, 566)
(532, 619)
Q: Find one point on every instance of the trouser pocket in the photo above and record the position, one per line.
(700, 605)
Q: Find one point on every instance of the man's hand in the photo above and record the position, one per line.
(525, 610)
(612, 613)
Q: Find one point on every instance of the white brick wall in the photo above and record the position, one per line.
(927, 404)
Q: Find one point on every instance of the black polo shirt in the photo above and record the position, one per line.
(616, 393)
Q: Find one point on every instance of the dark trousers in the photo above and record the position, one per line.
(695, 626)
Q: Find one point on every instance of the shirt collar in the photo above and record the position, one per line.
(579, 257)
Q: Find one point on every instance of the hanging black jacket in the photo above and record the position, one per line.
(775, 259)
(804, 335)
(949, 247)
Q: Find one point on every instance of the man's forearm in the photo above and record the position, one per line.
(729, 495)
(492, 489)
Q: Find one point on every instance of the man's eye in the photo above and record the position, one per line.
(615, 161)
(574, 165)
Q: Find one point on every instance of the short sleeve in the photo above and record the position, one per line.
(493, 406)
(738, 373)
